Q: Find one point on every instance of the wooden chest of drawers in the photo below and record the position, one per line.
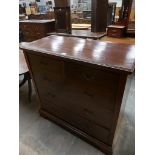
(116, 31)
(36, 29)
(77, 87)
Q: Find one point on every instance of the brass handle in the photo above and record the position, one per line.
(87, 111)
(88, 77)
(43, 63)
(52, 95)
(88, 94)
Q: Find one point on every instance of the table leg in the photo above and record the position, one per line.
(24, 80)
(30, 88)
(27, 77)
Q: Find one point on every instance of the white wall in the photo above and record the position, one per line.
(42, 2)
(119, 2)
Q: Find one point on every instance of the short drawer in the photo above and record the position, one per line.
(25, 27)
(115, 32)
(45, 65)
(97, 85)
(83, 124)
(118, 31)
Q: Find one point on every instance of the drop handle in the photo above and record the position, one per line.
(87, 111)
(43, 63)
(88, 77)
(46, 79)
(88, 94)
(52, 95)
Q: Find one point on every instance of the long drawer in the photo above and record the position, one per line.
(32, 27)
(72, 99)
(86, 126)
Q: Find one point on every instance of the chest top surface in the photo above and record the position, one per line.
(37, 21)
(116, 56)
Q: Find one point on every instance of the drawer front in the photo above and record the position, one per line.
(115, 35)
(72, 99)
(70, 88)
(115, 32)
(78, 122)
(25, 27)
(100, 86)
(87, 92)
(32, 27)
(44, 65)
(33, 34)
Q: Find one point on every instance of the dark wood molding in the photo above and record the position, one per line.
(78, 88)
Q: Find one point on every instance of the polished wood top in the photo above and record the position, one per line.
(22, 63)
(82, 34)
(81, 26)
(37, 21)
(116, 26)
(115, 56)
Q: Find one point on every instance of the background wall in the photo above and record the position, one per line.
(42, 2)
(119, 2)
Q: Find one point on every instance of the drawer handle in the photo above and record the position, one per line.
(88, 94)
(87, 111)
(46, 79)
(88, 77)
(52, 95)
(43, 63)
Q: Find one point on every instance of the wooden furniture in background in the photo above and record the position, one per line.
(111, 13)
(42, 16)
(116, 31)
(86, 34)
(36, 29)
(62, 3)
(62, 19)
(123, 21)
(125, 11)
(24, 71)
(131, 29)
(99, 15)
(80, 84)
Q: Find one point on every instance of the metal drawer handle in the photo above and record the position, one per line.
(87, 111)
(47, 79)
(43, 63)
(88, 94)
(88, 77)
(52, 95)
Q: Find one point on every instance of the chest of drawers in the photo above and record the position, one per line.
(80, 84)
(36, 29)
(116, 31)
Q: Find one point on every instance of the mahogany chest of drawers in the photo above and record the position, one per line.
(116, 31)
(36, 29)
(80, 84)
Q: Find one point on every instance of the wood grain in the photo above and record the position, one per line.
(81, 91)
